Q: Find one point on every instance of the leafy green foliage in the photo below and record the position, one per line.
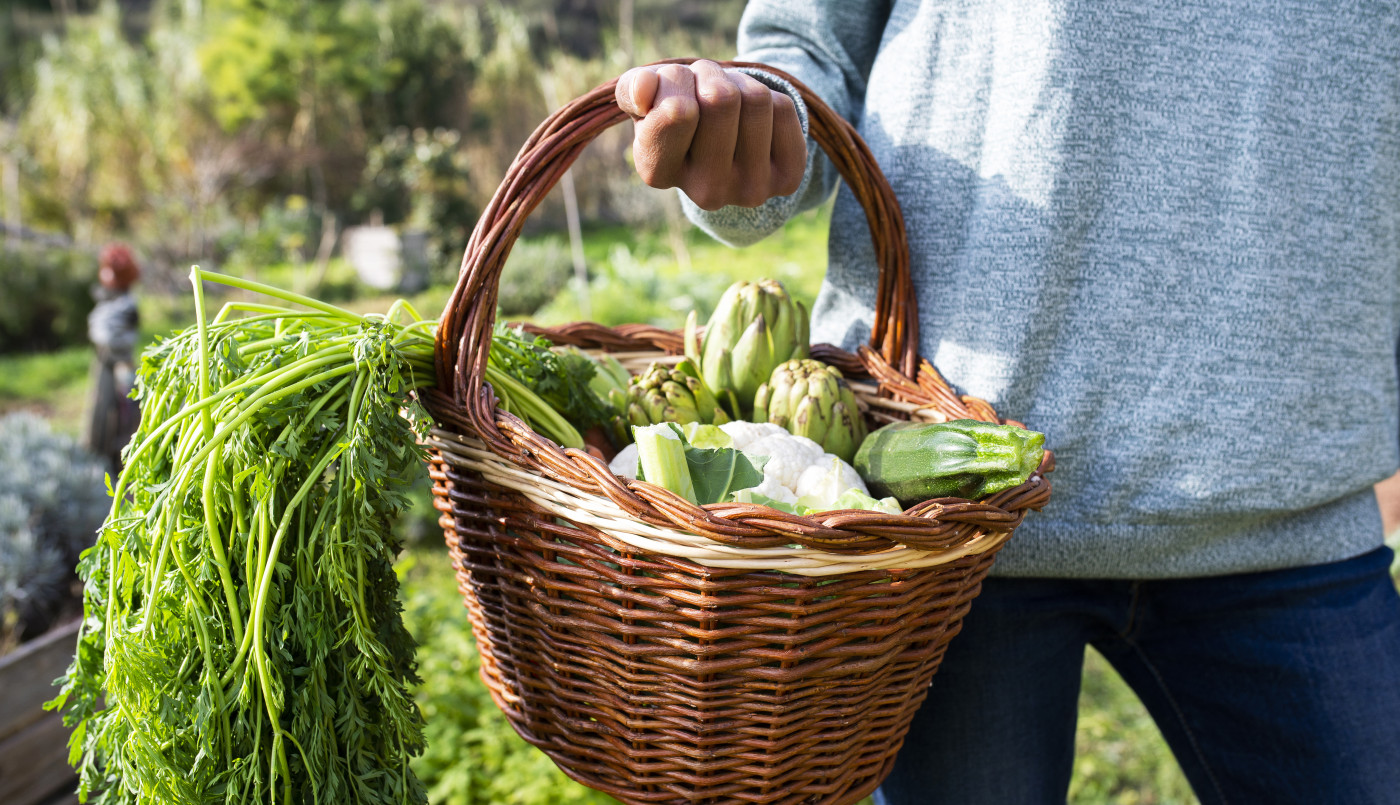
(87, 117)
(473, 756)
(45, 296)
(287, 57)
(718, 471)
(242, 639)
(534, 273)
(18, 45)
(426, 66)
(640, 276)
(284, 232)
(560, 379)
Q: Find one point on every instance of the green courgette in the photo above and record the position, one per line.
(915, 461)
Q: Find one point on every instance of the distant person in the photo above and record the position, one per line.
(112, 329)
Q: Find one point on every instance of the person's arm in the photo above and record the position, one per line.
(697, 126)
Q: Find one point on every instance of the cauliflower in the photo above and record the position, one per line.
(625, 462)
(774, 490)
(746, 433)
(825, 481)
(788, 455)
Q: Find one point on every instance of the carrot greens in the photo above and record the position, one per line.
(242, 639)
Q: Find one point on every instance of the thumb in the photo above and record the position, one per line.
(636, 90)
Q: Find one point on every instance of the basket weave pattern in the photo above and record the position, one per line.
(658, 680)
(699, 672)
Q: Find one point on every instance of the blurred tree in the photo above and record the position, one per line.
(420, 179)
(428, 65)
(173, 123)
(16, 55)
(85, 123)
(287, 62)
(296, 72)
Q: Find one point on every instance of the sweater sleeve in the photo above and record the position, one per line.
(830, 46)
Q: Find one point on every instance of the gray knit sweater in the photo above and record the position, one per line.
(1167, 234)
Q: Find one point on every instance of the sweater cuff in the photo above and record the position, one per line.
(780, 85)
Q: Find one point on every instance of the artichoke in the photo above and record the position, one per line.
(755, 327)
(672, 394)
(812, 399)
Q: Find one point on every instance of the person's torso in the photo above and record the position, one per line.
(1167, 234)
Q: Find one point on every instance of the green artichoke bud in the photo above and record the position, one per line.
(672, 394)
(755, 327)
(812, 399)
(619, 426)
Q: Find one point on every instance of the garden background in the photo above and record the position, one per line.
(261, 138)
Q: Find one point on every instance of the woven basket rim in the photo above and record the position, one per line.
(604, 515)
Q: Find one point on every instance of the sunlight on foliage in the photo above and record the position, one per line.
(473, 755)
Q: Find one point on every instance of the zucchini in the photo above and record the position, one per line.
(966, 458)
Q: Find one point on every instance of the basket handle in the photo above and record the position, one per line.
(464, 331)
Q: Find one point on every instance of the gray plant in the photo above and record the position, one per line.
(52, 501)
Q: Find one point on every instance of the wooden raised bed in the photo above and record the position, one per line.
(33, 743)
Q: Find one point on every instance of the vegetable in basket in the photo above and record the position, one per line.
(966, 458)
(791, 473)
(553, 391)
(609, 376)
(672, 394)
(242, 639)
(812, 399)
(755, 327)
(666, 457)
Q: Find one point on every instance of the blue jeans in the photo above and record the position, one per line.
(1275, 687)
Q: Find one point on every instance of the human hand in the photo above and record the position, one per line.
(721, 137)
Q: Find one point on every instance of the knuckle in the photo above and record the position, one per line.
(677, 112)
(757, 95)
(788, 182)
(648, 172)
(720, 94)
(787, 176)
(676, 74)
(651, 171)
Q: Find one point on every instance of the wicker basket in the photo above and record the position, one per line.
(664, 652)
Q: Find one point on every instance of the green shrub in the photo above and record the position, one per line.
(419, 179)
(285, 231)
(533, 274)
(45, 296)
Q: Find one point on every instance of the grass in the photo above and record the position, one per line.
(54, 385)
